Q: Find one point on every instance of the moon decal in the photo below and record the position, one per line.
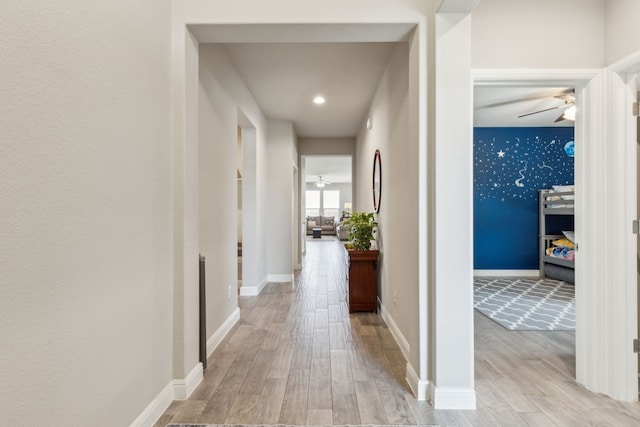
(569, 148)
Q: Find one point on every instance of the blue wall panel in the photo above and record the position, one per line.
(510, 166)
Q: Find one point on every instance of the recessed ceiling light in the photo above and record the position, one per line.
(319, 100)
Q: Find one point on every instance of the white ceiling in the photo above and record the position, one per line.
(500, 106)
(335, 169)
(285, 77)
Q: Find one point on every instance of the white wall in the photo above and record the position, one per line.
(218, 190)
(538, 34)
(279, 215)
(398, 217)
(454, 349)
(86, 212)
(223, 95)
(622, 33)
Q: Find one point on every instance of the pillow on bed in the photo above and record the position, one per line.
(563, 243)
(564, 189)
(571, 235)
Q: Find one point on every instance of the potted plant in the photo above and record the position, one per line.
(361, 226)
(362, 263)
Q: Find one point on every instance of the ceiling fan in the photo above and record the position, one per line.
(321, 182)
(569, 99)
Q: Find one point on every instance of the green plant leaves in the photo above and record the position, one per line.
(362, 226)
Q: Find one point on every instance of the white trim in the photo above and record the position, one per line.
(252, 291)
(620, 316)
(506, 273)
(182, 388)
(214, 341)
(507, 76)
(629, 64)
(156, 408)
(454, 398)
(421, 389)
(395, 331)
(280, 278)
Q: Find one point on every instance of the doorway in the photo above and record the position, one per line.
(523, 142)
(328, 193)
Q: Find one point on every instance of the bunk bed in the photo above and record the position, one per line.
(556, 233)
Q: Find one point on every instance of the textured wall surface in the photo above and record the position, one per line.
(622, 34)
(510, 166)
(538, 34)
(85, 173)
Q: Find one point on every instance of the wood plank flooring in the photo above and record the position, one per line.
(298, 357)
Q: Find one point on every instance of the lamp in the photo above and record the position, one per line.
(319, 184)
(347, 206)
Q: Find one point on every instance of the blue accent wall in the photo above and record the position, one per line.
(510, 166)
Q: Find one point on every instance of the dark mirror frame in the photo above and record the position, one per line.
(377, 181)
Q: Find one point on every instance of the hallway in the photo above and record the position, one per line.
(297, 357)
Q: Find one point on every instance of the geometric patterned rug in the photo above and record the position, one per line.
(526, 304)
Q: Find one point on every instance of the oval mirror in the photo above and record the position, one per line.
(377, 181)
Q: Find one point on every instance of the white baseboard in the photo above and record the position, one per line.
(395, 331)
(420, 388)
(156, 408)
(182, 388)
(454, 398)
(214, 341)
(280, 278)
(506, 273)
(252, 291)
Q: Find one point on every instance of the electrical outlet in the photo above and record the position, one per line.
(395, 297)
(229, 293)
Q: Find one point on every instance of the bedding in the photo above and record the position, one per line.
(570, 235)
(562, 253)
(561, 189)
(563, 243)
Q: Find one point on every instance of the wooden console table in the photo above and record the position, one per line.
(362, 289)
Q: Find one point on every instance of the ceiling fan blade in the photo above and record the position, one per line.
(541, 111)
(559, 119)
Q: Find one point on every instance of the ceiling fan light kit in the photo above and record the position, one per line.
(320, 183)
(570, 113)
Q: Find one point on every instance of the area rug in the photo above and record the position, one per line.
(526, 304)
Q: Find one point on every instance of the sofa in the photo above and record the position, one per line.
(327, 224)
(342, 231)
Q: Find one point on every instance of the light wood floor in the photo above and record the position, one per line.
(298, 357)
